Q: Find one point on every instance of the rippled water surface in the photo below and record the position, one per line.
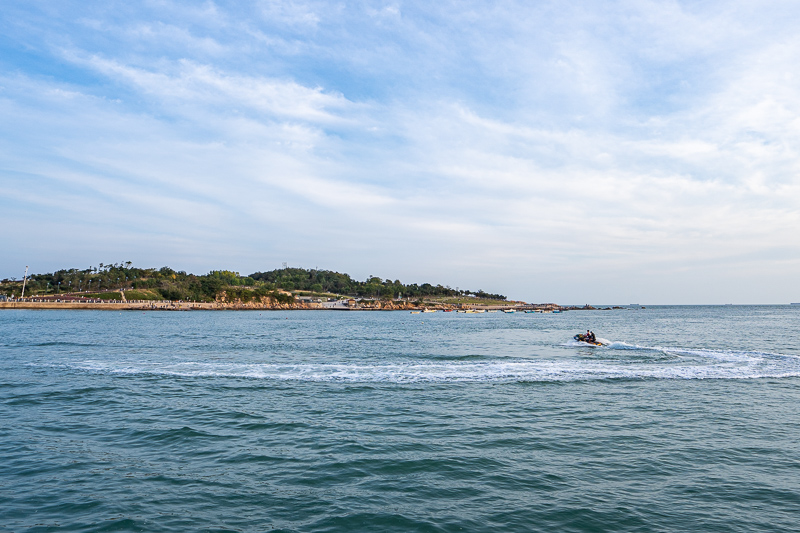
(345, 421)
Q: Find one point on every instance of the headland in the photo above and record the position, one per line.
(121, 286)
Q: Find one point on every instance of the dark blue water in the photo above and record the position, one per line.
(336, 421)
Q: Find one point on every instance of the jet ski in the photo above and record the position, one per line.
(581, 337)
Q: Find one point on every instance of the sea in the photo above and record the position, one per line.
(325, 421)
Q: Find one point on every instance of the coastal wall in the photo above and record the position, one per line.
(155, 306)
(266, 303)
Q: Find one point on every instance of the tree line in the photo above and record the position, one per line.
(179, 285)
(327, 281)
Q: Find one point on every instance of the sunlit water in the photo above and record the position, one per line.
(345, 421)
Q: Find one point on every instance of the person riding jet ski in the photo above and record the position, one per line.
(588, 337)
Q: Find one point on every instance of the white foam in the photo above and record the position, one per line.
(704, 364)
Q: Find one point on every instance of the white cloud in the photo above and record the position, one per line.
(292, 13)
(187, 84)
(520, 144)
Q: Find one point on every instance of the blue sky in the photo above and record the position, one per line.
(575, 152)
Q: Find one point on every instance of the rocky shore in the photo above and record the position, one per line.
(267, 303)
(115, 305)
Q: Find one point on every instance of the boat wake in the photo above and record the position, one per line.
(656, 363)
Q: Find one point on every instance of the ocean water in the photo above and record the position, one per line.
(346, 421)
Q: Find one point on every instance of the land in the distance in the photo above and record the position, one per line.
(122, 286)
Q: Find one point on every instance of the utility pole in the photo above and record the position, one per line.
(24, 281)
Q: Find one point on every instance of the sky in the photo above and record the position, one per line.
(571, 152)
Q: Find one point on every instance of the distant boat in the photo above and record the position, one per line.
(429, 310)
(509, 311)
(414, 312)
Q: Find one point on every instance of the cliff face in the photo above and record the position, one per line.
(267, 302)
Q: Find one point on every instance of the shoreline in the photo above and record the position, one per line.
(149, 306)
(164, 305)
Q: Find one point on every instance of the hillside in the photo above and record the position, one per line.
(170, 284)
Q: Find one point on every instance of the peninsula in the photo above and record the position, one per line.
(123, 286)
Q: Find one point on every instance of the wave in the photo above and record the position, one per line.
(699, 364)
(697, 352)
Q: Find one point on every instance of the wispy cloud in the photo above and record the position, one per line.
(646, 150)
(189, 84)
